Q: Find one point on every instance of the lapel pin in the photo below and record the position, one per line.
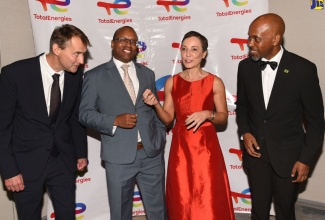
(286, 71)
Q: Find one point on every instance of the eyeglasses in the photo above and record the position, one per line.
(124, 41)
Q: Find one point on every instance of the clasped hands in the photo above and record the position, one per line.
(299, 169)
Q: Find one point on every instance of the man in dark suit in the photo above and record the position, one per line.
(42, 143)
(132, 137)
(277, 92)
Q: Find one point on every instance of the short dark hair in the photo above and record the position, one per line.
(62, 34)
(118, 30)
(204, 40)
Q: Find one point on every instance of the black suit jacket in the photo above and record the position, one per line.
(295, 96)
(26, 132)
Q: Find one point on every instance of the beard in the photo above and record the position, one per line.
(254, 55)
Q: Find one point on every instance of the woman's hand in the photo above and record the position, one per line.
(196, 119)
(149, 98)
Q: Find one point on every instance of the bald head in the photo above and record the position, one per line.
(271, 21)
(265, 36)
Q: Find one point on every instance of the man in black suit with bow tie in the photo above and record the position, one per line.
(42, 143)
(277, 92)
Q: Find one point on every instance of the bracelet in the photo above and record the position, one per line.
(212, 116)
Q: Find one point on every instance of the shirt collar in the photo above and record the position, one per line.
(47, 67)
(119, 63)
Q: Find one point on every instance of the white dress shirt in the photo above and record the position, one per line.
(47, 73)
(268, 77)
(133, 75)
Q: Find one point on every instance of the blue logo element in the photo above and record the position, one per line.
(317, 4)
(160, 83)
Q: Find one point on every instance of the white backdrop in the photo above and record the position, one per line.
(160, 26)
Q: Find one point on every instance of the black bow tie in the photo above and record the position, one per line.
(262, 64)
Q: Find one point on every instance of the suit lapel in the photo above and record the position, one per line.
(37, 82)
(257, 78)
(114, 75)
(141, 78)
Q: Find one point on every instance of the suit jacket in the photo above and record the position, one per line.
(295, 97)
(26, 132)
(104, 96)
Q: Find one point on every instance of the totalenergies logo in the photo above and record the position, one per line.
(54, 4)
(116, 6)
(174, 4)
(235, 2)
(142, 46)
(241, 42)
(238, 152)
(137, 200)
(176, 45)
(244, 196)
(80, 208)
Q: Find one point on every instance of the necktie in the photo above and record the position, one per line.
(128, 82)
(129, 86)
(55, 101)
(262, 64)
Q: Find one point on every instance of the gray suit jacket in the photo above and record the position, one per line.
(104, 96)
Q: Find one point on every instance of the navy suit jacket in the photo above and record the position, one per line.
(295, 97)
(26, 132)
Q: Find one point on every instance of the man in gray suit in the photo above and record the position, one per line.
(132, 136)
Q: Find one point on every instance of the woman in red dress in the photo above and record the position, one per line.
(197, 181)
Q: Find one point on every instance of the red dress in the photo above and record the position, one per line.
(197, 181)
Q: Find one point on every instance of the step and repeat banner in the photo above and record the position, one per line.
(161, 25)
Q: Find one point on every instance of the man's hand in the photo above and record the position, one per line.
(125, 120)
(251, 145)
(82, 164)
(15, 184)
(302, 171)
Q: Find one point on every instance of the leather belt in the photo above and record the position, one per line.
(139, 145)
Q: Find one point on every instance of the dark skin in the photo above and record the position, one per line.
(265, 36)
(125, 53)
